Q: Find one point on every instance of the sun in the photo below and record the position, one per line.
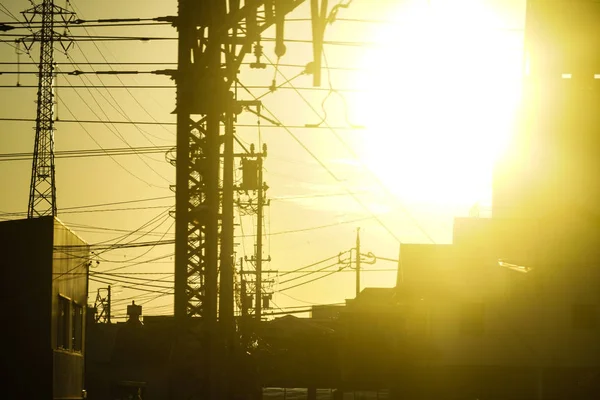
(442, 87)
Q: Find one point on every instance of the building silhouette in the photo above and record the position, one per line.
(43, 280)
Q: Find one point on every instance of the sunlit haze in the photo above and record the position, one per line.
(429, 86)
(442, 86)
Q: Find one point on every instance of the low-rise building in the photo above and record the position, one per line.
(43, 281)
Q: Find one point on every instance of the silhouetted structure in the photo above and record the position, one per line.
(502, 313)
(508, 311)
(207, 108)
(130, 357)
(511, 307)
(298, 352)
(551, 167)
(42, 191)
(43, 281)
(152, 357)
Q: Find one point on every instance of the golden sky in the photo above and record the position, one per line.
(433, 84)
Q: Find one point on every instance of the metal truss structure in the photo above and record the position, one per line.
(214, 37)
(42, 192)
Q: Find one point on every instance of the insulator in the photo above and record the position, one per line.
(258, 50)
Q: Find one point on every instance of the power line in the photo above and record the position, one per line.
(308, 310)
(99, 38)
(88, 25)
(387, 259)
(77, 72)
(137, 230)
(114, 246)
(107, 63)
(119, 151)
(119, 202)
(91, 63)
(125, 274)
(312, 228)
(307, 273)
(7, 12)
(311, 265)
(117, 107)
(104, 229)
(316, 271)
(117, 133)
(68, 121)
(80, 21)
(120, 81)
(93, 24)
(311, 280)
(92, 86)
(327, 169)
(114, 281)
(21, 214)
(152, 245)
(127, 279)
(131, 287)
(356, 157)
(98, 144)
(140, 262)
(104, 63)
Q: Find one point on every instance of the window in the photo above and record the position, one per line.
(77, 331)
(472, 319)
(63, 323)
(584, 316)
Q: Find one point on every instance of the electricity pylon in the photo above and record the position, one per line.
(42, 191)
(214, 38)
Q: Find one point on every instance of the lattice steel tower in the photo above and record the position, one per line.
(214, 37)
(42, 192)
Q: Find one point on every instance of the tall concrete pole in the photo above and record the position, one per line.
(259, 239)
(357, 261)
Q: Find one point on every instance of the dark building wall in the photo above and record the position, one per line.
(122, 355)
(25, 282)
(33, 273)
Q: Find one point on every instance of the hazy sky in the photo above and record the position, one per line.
(433, 84)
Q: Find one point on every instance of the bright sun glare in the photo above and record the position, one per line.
(442, 84)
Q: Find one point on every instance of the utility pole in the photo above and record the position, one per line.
(226, 303)
(259, 243)
(358, 257)
(243, 291)
(245, 303)
(42, 190)
(108, 304)
(369, 258)
(253, 181)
